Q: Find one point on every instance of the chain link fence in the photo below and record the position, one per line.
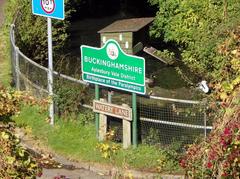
(161, 121)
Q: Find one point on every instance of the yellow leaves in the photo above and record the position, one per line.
(15, 160)
(110, 135)
(161, 164)
(108, 148)
(235, 63)
(28, 130)
(5, 135)
(9, 102)
(105, 154)
(104, 149)
(17, 94)
(236, 81)
(223, 96)
(10, 160)
(236, 52)
(130, 175)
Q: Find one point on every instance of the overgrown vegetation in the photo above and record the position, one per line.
(219, 156)
(69, 97)
(199, 28)
(208, 36)
(9, 103)
(15, 161)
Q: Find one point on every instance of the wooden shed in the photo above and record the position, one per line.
(131, 34)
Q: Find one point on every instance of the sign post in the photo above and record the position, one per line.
(109, 66)
(50, 71)
(97, 114)
(134, 124)
(50, 9)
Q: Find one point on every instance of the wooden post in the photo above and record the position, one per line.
(124, 112)
(126, 132)
(102, 125)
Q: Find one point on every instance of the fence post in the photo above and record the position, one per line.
(13, 53)
(17, 69)
(205, 124)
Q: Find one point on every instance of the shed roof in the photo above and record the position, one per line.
(127, 25)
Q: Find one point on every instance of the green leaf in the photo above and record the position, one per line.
(227, 87)
(5, 135)
(10, 160)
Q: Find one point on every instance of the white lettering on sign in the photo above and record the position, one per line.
(112, 110)
(112, 64)
(48, 6)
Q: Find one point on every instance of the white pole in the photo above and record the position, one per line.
(50, 71)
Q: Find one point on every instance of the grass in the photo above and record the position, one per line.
(5, 75)
(9, 8)
(77, 141)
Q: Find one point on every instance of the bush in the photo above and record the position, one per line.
(15, 161)
(219, 156)
(9, 102)
(69, 97)
(199, 28)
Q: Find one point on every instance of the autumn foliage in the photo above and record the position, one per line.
(9, 102)
(219, 156)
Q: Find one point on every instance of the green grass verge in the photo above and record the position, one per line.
(77, 141)
(5, 75)
(10, 8)
(4, 57)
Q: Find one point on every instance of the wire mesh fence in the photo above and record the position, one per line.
(167, 121)
(161, 121)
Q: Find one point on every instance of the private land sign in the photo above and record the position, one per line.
(109, 109)
(110, 66)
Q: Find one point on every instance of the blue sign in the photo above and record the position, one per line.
(49, 8)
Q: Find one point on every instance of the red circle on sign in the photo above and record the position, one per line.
(48, 8)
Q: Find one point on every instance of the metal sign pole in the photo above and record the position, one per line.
(97, 97)
(50, 71)
(134, 123)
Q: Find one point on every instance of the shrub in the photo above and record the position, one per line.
(15, 161)
(198, 27)
(9, 102)
(219, 156)
(69, 97)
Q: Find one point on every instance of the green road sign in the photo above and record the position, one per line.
(110, 66)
